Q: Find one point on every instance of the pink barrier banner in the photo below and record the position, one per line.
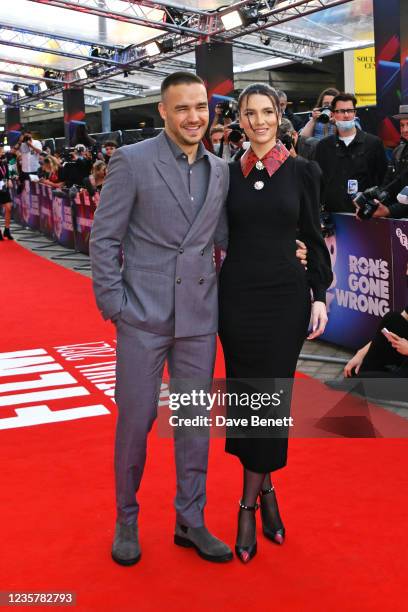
(85, 207)
(31, 205)
(46, 216)
(63, 225)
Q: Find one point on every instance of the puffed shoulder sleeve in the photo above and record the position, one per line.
(319, 271)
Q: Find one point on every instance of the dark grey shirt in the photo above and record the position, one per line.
(196, 176)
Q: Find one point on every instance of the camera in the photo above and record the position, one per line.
(325, 114)
(402, 197)
(228, 108)
(327, 224)
(365, 201)
(27, 138)
(236, 133)
(287, 140)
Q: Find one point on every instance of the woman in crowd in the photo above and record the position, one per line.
(5, 196)
(52, 173)
(94, 182)
(265, 301)
(386, 355)
(316, 128)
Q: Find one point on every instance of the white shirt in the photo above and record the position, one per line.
(347, 139)
(29, 158)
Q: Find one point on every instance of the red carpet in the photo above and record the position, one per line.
(343, 500)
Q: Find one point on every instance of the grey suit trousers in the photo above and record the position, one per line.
(141, 356)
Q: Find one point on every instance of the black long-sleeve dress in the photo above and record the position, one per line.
(264, 292)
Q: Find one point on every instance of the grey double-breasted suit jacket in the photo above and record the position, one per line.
(167, 284)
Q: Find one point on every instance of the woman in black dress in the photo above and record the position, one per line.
(5, 196)
(265, 297)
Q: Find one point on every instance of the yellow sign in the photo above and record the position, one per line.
(364, 76)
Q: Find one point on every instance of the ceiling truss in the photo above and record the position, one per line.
(184, 26)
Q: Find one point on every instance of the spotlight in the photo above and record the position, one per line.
(100, 52)
(144, 63)
(1, 102)
(92, 72)
(176, 15)
(50, 74)
(167, 45)
(43, 86)
(152, 49)
(231, 20)
(249, 15)
(264, 38)
(81, 74)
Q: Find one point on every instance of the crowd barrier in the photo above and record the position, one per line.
(369, 262)
(65, 219)
(369, 258)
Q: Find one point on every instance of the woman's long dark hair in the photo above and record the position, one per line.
(261, 89)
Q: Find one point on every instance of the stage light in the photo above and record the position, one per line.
(50, 74)
(144, 63)
(100, 52)
(1, 102)
(81, 74)
(231, 20)
(176, 15)
(43, 86)
(166, 45)
(249, 15)
(152, 49)
(264, 38)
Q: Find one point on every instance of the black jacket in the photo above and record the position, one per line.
(363, 160)
(396, 179)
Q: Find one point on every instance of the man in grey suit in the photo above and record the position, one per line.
(161, 201)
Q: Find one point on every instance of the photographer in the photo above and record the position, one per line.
(229, 147)
(351, 160)
(397, 175)
(30, 151)
(322, 123)
(77, 167)
(288, 136)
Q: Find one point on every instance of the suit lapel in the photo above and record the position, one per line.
(170, 173)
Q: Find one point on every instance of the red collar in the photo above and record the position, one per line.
(272, 161)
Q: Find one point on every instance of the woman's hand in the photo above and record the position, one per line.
(318, 319)
(399, 344)
(301, 252)
(354, 364)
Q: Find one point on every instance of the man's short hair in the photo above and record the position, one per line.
(344, 97)
(216, 128)
(179, 78)
(281, 94)
(110, 143)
